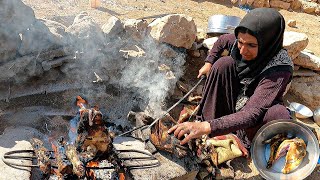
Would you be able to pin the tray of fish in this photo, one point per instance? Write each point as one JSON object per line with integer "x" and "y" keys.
{"x": 285, "y": 149}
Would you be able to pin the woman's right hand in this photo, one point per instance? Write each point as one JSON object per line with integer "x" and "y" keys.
{"x": 205, "y": 69}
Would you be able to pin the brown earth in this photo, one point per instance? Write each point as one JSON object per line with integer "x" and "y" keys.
{"x": 200, "y": 10}
{"x": 64, "y": 11}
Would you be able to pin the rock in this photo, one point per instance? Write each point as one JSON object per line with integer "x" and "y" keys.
{"x": 250, "y": 2}
{"x": 306, "y": 89}
{"x": 208, "y": 43}
{"x": 86, "y": 34}
{"x": 201, "y": 35}
{"x": 292, "y": 23}
{"x": 279, "y": 4}
{"x": 304, "y": 73}
{"x": 9, "y": 44}
{"x": 242, "y": 2}
{"x": 234, "y": 1}
{"x": 308, "y": 7}
{"x": 15, "y": 16}
{"x": 136, "y": 29}
{"x": 41, "y": 36}
{"x": 295, "y": 5}
{"x": 58, "y": 31}
{"x": 258, "y": 3}
{"x": 178, "y": 30}
{"x": 194, "y": 53}
{"x": 113, "y": 27}
{"x": 170, "y": 167}
{"x": 308, "y": 60}
{"x": 295, "y": 42}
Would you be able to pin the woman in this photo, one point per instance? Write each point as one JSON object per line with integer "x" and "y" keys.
{"x": 243, "y": 90}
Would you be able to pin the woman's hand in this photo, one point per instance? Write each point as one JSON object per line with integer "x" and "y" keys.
{"x": 205, "y": 69}
{"x": 192, "y": 129}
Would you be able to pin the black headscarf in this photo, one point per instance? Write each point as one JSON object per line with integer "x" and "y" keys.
{"x": 268, "y": 26}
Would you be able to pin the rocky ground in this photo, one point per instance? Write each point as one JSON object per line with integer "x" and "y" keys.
{"x": 64, "y": 11}
{"x": 200, "y": 10}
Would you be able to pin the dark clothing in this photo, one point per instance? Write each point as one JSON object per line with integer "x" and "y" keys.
{"x": 261, "y": 81}
{"x": 267, "y": 25}
{"x": 220, "y": 94}
{"x": 225, "y": 42}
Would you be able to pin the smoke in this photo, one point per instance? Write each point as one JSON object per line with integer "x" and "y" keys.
{"x": 136, "y": 81}
{"x": 144, "y": 75}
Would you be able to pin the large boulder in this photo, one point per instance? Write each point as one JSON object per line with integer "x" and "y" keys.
{"x": 295, "y": 42}
{"x": 113, "y": 28}
{"x": 15, "y": 16}
{"x": 43, "y": 35}
{"x": 178, "y": 30}
{"x": 307, "y": 89}
{"x": 9, "y": 44}
{"x": 136, "y": 29}
{"x": 308, "y": 60}
{"x": 85, "y": 33}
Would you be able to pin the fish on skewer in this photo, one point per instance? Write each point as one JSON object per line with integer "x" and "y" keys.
{"x": 295, "y": 150}
{"x": 274, "y": 142}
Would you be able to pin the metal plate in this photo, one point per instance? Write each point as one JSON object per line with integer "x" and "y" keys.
{"x": 260, "y": 151}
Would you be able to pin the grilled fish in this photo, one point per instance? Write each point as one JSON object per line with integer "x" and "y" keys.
{"x": 295, "y": 151}
{"x": 274, "y": 142}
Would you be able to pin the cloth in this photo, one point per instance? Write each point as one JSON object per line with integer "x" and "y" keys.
{"x": 224, "y": 43}
{"x": 267, "y": 83}
{"x": 268, "y": 26}
{"x": 221, "y": 148}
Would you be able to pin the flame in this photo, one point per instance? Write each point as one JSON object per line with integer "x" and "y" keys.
{"x": 81, "y": 102}
{"x": 90, "y": 172}
{"x": 93, "y": 164}
{"x": 54, "y": 147}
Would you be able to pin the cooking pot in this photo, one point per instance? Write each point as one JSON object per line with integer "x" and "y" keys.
{"x": 222, "y": 23}
{"x": 260, "y": 152}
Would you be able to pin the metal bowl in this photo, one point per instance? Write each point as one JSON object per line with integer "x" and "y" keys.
{"x": 301, "y": 111}
{"x": 260, "y": 151}
{"x": 222, "y": 23}
{"x": 316, "y": 116}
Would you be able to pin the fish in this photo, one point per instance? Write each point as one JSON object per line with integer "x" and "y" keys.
{"x": 295, "y": 150}
{"x": 274, "y": 142}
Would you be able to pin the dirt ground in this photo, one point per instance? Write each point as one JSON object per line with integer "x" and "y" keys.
{"x": 200, "y": 10}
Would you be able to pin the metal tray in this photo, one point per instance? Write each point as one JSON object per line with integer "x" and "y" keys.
{"x": 260, "y": 151}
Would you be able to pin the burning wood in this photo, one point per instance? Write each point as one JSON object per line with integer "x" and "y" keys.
{"x": 42, "y": 155}
{"x": 77, "y": 166}
{"x": 93, "y": 136}
{"x": 62, "y": 162}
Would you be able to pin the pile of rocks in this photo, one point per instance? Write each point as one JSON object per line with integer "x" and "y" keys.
{"x": 306, "y": 6}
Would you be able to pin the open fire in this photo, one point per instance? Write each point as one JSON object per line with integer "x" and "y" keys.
{"x": 78, "y": 158}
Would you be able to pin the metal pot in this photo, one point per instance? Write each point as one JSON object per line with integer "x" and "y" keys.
{"x": 260, "y": 154}
{"x": 222, "y": 23}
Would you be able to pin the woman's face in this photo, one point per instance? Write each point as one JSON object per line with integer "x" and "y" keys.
{"x": 248, "y": 46}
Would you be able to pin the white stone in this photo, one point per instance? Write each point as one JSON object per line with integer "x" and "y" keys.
{"x": 295, "y": 42}
{"x": 178, "y": 30}
{"x": 308, "y": 60}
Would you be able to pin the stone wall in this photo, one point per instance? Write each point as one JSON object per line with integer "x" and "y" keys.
{"x": 306, "y": 6}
